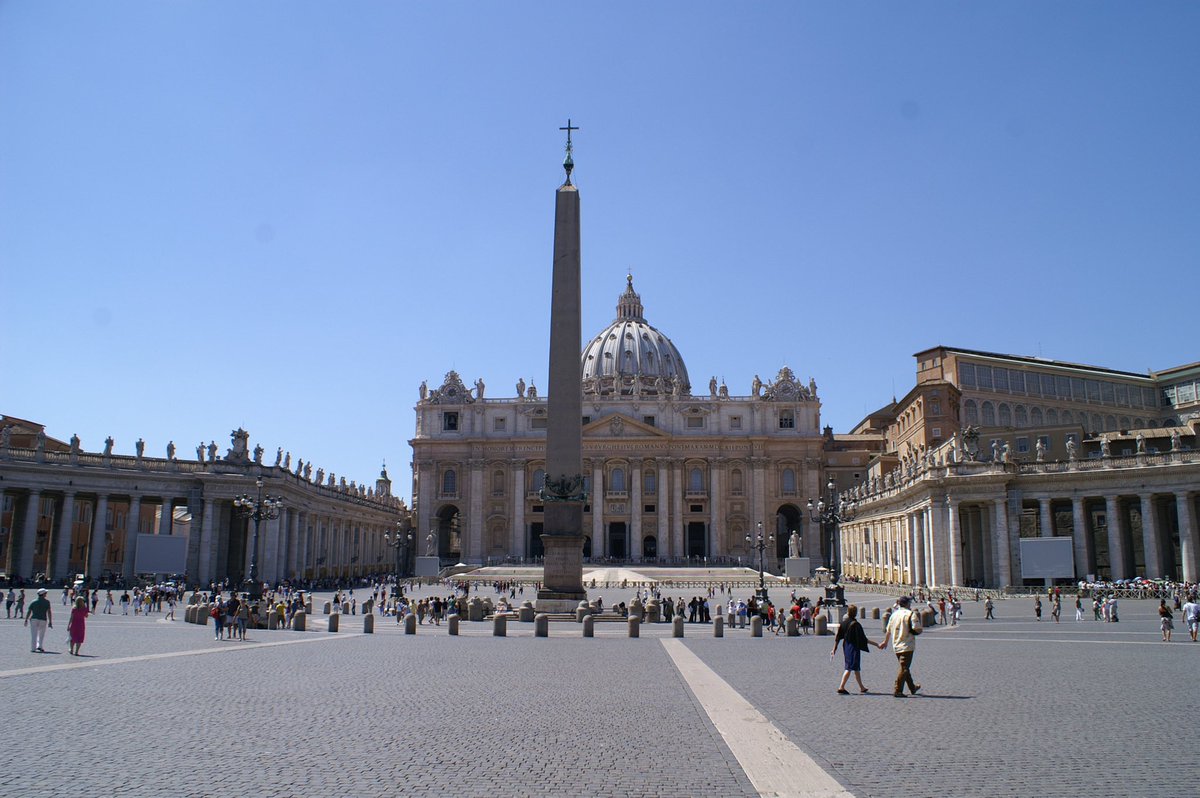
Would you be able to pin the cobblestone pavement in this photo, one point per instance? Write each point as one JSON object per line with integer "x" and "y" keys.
{"x": 1009, "y": 707}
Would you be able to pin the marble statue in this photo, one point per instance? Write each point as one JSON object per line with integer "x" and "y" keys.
{"x": 1004, "y": 453}
{"x": 532, "y": 391}
{"x": 659, "y": 385}
{"x": 140, "y": 447}
{"x": 429, "y": 543}
{"x": 278, "y": 456}
{"x": 41, "y": 441}
{"x": 521, "y": 388}
{"x": 258, "y": 453}
{"x": 756, "y": 387}
{"x": 1041, "y": 451}
{"x": 812, "y": 388}
{"x": 1071, "y": 453}
{"x": 1141, "y": 443}
{"x": 299, "y": 466}
{"x": 320, "y": 476}
{"x": 1175, "y": 442}
{"x": 424, "y": 390}
{"x": 74, "y": 444}
{"x": 794, "y": 545}
{"x": 212, "y": 451}
{"x": 479, "y": 386}
{"x": 308, "y": 472}
{"x": 342, "y": 485}
{"x": 1104, "y": 446}
{"x": 287, "y": 462}
{"x": 6, "y": 437}
{"x": 170, "y": 450}
{"x": 676, "y": 388}
{"x": 712, "y": 388}
{"x": 332, "y": 480}
{"x": 996, "y": 451}
{"x": 200, "y": 452}
{"x": 108, "y": 446}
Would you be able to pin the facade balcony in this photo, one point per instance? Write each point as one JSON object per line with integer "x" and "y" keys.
{"x": 616, "y": 494}
{"x": 696, "y": 494}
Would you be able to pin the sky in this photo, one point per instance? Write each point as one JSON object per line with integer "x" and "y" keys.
{"x": 284, "y": 216}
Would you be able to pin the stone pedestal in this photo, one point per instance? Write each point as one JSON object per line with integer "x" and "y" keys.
{"x": 563, "y": 576}
{"x": 797, "y": 567}
{"x": 428, "y": 566}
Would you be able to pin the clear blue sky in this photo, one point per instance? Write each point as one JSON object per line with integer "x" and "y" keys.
{"x": 285, "y": 215}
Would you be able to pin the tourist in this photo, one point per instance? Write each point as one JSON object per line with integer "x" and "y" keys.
{"x": 218, "y": 617}
{"x": 39, "y": 612}
{"x": 902, "y": 628}
{"x": 243, "y": 617}
{"x": 108, "y": 602}
{"x": 1166, "y": 620}
{"x": 95, "y": 600}
{"x": 1078, "y": 609}
{"x": 170, "y": 607}
{"x": 77, "y": 626}
{"x": 1037, "y": 607}
{"x": 989, "y": 607}
{"x": 125, "y": 603}
{"x": 1191, "y": 616}
{"x": 1056, "y": 608}
{"x": 9, "y": 600}
{"x": 854, "y": 641}
{"x": 21, "y": 603}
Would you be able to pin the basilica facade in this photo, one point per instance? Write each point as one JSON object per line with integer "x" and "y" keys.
{"x": 671, "y": 474}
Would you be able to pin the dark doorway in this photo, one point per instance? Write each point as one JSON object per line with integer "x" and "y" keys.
{"x": 449, "y": 533}
{"x": 788, "y": 520}
{"x": 618, "y": 540}
{"x": 697, "y": 539}
{"x": 587, "y": 546}
{"x": 536, "y": 549}
{"x": 650, "y": 548}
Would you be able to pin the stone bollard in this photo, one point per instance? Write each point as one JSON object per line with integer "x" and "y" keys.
{"x": 677, "y": 626}
{"x": 875, "y": 614}
{"x": 820, "y": 625}
{"x": 475, "y": 610}
{"x": 636, "y": 610}
{"x": 299, "y": 620}
{"x": 189, "y": 615}
{"x": 589, "y": 626}
{"x": 272, "y": 620}
{"x": 488, "y": 607}
{"x": 756, "y": 626}
{"x": 452, "y": 624}
{"x": 718, "y": 626}
{"x": 308, "y": 607}
{"x": 793, "y": 627}
{"x": 928, "y": 618}
{"x": 368, "y": 624}
{"x": 526, "y": 613}
{"x": 203, "y": 615}
{"x": 367, "y": 606}
{"x": 635, "y": 627}
{"x": 500, "y": 625}
{"x": 541, "y": 625}
{"x": 582, "y": 611}
{"x": 345, "y": 607}
{"x": 328, "y": 607}
{"x": 333, "y": 622}
{"x": 653, "y": 611}
{"x": 410, "y": 624}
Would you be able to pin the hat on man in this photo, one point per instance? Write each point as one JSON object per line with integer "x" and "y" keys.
{"x": 42, "y": 591}
{"x": 902, "y": 601}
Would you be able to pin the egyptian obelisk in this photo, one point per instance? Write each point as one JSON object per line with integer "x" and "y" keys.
{"x": 562, "y": 536}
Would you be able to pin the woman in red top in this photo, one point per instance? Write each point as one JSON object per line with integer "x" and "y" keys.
{"x": 77, "y": 626}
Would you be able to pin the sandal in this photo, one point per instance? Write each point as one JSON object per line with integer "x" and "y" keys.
{"x": 865, "y": 690}
{"x": 843, "y": 692}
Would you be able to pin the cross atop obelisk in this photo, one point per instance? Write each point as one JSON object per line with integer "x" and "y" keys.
{"x": 568, "y": 162}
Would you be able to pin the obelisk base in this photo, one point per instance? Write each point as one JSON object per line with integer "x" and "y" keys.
{"x": 562, "y": 584}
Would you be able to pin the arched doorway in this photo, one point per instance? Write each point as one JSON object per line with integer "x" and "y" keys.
{"x": 536, "y": 549}
{"x": 789, "y": 519}
{"x": 649, "y": 547}
{"x": 618, "y": 540}
{"x": 697, "y": 539}
{"x": 449, "y": 533}
{"x": 587, "y": 546}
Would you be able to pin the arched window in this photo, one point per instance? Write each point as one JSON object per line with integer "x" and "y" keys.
{"x": 1005, "y": 416}
{"x": 1035, "y": 417}
{"x": 1022, "y": 417}
{"x": 989, "y": 414}
{"x": 1097, "y": 423}
{"x": 1110, "y": 423}
{"x": 1066, "y": 417}
{"x": 1052, "y": 417}
{"x": 735, "y": 482}
{"x": 696, "y": 481}
{"x": 617, "y": 480}
{"x": 449, "y": 482}
{"x": 1125, "y": 422}
{"x": 1139, "y": 423}
{"x": 789, "y": 481}
{"x": 497, "y": 483}
{"x": 649, "y": 483}
{"x": 539, "y": 479}
{"x": 972, "y": 412}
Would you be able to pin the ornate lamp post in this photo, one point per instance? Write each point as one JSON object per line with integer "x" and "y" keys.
{"x": 761, "y": 544}
{"x": 829, "y": 514}
{"x": 256, "y": 509}
{"x": 400, "y": 540}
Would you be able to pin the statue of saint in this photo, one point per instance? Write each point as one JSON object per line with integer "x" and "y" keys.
{"x": 6, "y": 437}
{"x": 794, "y": 545}
{"x": 74, "y": 444}
{"x": 712, "y": 387}
{"x": 424, "y": 389}
{"x": 1141, "y": 443}
{"x": 287, "y": 462}
{"x": 258, "y": 453}
{"x": 1071, "y": 451}
{"x": 1104, "y": 446}
{"x": 212, "y": 451}
{"x": 308, "y": 471}
{"x": 170, "y": 450}
{"x": 756, "y": 387}
{"x": 320, "y": 476}
{"x": 479, "y": 386}
{"x": 278, "y": 456}
{"x": 521, "y": 388}
{"x": 1041, "y": 451}
{"x": 200, "y": 452}
{"x": 108, "y": 446}
{"x": 140, "y": 447}
{"x": 1175, "y": 442}
{"x": 996, "y": 451}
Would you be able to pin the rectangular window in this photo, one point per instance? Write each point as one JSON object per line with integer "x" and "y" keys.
{"x": 1108, "y": 393}
{"x": 935, "y": 408}
{"x": 450, "y": 422}
{"x": 1045, "y": 439}
{"x": 1048, "y": 386}
{"x": 1186, "y": 393}
{"x": 537, "y": 422}
{"x": 695, "y": 508}
{"x": 735, "y": 422}
{"x": 695, "y": 422}
{"x": 648, "y": 421}
{"x": 1077, "y": 391}
{"x": 587, "y": 420}
{"x": 983, "y": 375}
{"x": 1093, "y": 391}
{"x": 937, "y": 432}
{"x": 1022, "y": 445}
{"x": 1016, "y": 381}
{"x": 648, "y": 508}
{"x": 966, "y": 375}
{"x": 787, "y": 419}
{"x": 537, "y": 508}
{"x": 1001, "y": 377}
{"x": 1149, "y": 398}
{"x": 1063, "y": 386}
{"x": 1123, "y": 394}
{"x": 1033, "y": 386}
{"x": 499, "y": 424}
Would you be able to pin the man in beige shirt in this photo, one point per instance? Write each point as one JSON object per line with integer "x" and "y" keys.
{"x": 902, "y": 629}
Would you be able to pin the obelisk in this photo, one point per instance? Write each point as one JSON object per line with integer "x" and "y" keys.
{"x": 563, "y": 495}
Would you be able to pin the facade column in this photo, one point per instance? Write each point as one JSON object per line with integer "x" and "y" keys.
{"x": 662, "y": 496}
{"x": 1154, "y": 560}
{"x": 133, "y": 527}
{"x": 1118, "y": 562}
{"x": 955, "y": 541}
{"x": 599, "y": 549}
{"x": 1079, "y": 537}
{"x": 635, "y": 509}
{"x": 758, "y": 503}
{"x": 474, "y": 546}
{"x": 208, "y": 543}
{"x": 716, "y": 524}
{"x": 1045, "y": 526}
{"x": 97, "y": 543}
{"x": 677, "y": 489}
{"x": 932, "y": 538}
{"x": 268, "y": 559}
{"x": 61, "y": 561}
{"x": 520, "y": 533}
{"x": 166, "y": 516}
{"x": 1187, "y": 535}
{"x": 918, "y": 551}
{"x": 33, "y": 510}
{"x": 1000, "y": 539}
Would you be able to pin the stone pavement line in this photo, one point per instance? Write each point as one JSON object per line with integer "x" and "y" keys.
{"x": 66, "y": 666}
{"x": 1157, "y": 642}
{"x": 772, "y": 762}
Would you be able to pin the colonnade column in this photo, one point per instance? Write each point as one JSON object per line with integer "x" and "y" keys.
{"x": 520, "y": 534}
{"x": 60, "y": 563}
{"x": 929, "y": 518}
{"x": 918, "y": 550}
{"x": 33, "y": 509}
{"x": 635, "y": 509}
{"x": 1116, "y": 549}
{"x": 598, "y": 547}
{"x": 955, "y": 541}
{"x": 165, "y": 516}
{"x": 208, "y": 543}
{"x": 1045, "y": 526}
{"x": 97, "y": 543}
{"x": 677, "y": 489}
{"x": 1187, "y": 535}
{"x": 1000, "y": 538}
{"x": 1079, "y": 539}
{"x": 1154, "y": 560}
{"x": 475, "y": 549}
{"x": 133, "y": 526}
{"x": 662, "y": 496}
{"x": 269, "y": 558}
{"x": 715, "y": 523}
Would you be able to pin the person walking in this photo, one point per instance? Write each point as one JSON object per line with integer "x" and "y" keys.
{"x": 854, "y": 641}
{"x": 988, "y": 606}
{"x": 77, "y": 626}
{"x": 9, "y": 600}
{"x": 1037, "y": 607}
{"x": 43, "y": 618}
{"x": 1191, "y": 616}
{"x": 1166, "y": 620}
{"x": 1078, "y": 608}
{"x": 1056, "y": 609}
{"x": 902, "y": 629}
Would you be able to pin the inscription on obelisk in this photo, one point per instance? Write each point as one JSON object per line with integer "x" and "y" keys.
{"x": 563, "y": 494}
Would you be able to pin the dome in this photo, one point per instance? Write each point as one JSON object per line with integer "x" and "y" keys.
{"x": 631, "y": 358}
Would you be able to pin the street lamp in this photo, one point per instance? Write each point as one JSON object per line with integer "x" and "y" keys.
{"x": 761, "y": 544}
{"x": 829, "y": 514}
{"x": 400, "y": 540}
{"x": 256, "y": 509}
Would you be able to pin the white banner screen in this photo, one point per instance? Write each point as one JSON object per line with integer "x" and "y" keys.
{"x": 160, "y": 554}
{"x": 1047, "y": 558}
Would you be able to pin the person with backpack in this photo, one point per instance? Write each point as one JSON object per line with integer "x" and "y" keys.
{"x": 1191, "y": 616}
{"x": 902, "y": 629}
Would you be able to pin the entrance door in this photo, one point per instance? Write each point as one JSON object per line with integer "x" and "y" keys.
{"x": 536, "y": 549}
{"x": 697, "y": 539}
{"x": 650, "y": 548}
{"x": 618, "y": 541}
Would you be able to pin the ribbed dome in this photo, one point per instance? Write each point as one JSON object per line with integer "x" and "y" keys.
{"x": 632, "y": 358}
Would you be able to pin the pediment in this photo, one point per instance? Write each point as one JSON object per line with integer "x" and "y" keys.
{"x": 619, "y": 425}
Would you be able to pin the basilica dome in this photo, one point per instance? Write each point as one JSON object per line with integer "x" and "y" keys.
{"x": 631, "y": 358}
